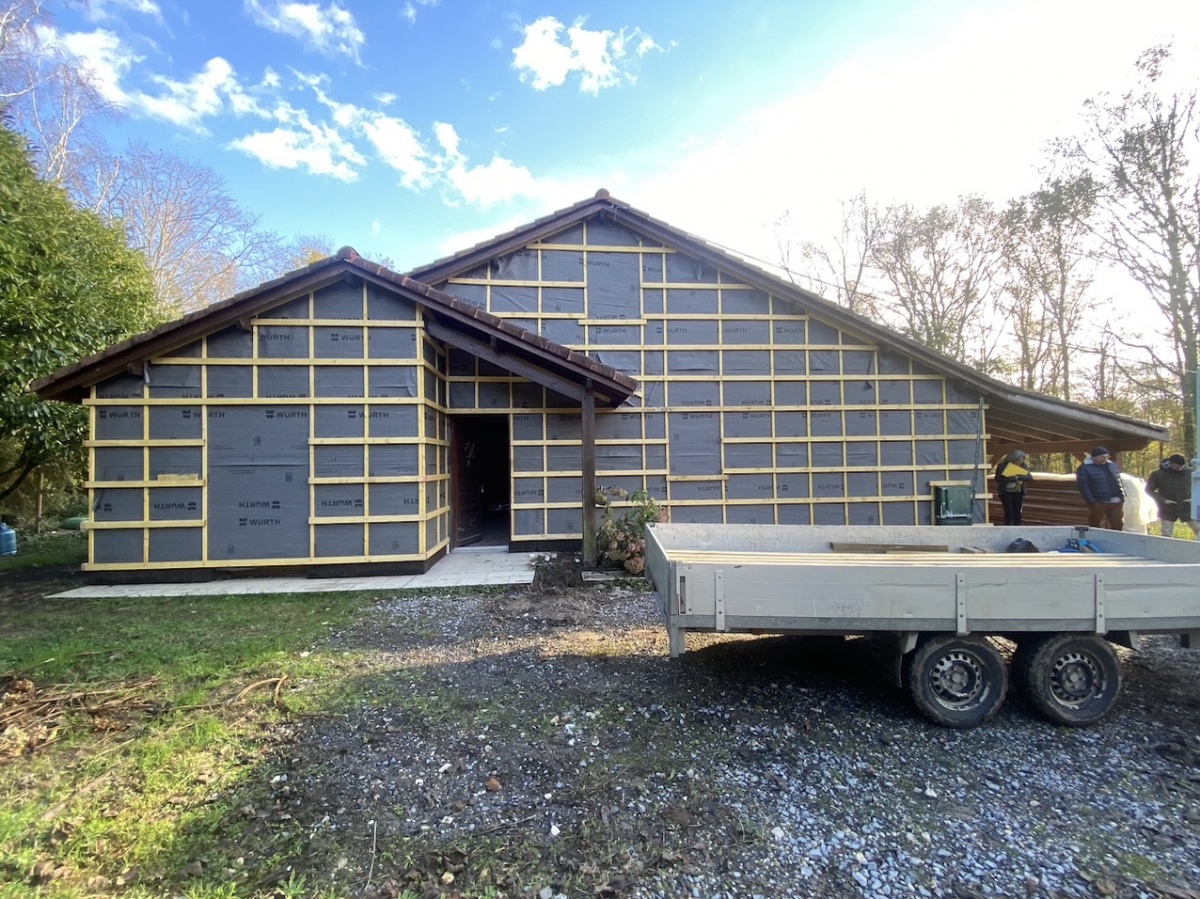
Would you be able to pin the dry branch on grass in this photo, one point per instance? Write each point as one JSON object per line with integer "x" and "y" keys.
{"x": 32, "y": 716}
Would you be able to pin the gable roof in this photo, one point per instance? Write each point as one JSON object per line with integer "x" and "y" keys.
{"x": 451, "y": 320}
{"x": 1016, "y": 417}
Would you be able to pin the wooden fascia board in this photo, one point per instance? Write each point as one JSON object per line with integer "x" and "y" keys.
{"x": 73, "y": 386}
{"x": 509, "y": 362}
{"x": 1080, "y": 418}
{"x": 505, "y": 244}
{"x": 1077, "y": 447}
{"x": 497, "y": 329}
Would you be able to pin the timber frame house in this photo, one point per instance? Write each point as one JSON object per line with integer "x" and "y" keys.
{"x": 345, "y": 414}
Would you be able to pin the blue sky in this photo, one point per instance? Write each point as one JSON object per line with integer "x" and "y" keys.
{"x": 415, "y": 128}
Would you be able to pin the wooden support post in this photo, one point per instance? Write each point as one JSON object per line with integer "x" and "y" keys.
{"x": 589, "y": 475}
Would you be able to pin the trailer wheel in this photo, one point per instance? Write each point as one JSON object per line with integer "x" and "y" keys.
{"x": 1071, "y": 679}
{"x": 956, "y": 681}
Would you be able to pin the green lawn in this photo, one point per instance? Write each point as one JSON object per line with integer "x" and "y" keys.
{"x": 154, "y": 713}
{"x": 45, "y": 551}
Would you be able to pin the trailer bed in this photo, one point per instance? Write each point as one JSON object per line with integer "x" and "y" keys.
{"x": 789, "y": 579}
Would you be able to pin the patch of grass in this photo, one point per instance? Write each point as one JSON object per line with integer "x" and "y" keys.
{"x": 45, "y": 551}
{"x": 141, "y": 799}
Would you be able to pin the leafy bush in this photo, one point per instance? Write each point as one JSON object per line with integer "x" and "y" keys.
{"x": 622, "y": 538}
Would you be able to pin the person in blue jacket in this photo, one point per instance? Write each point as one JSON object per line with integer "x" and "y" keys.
{"x": 1099, "y": 484}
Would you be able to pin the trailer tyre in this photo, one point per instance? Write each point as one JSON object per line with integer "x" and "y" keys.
{"x": 1071, "y": 679}
{"x": 957, "y": 682}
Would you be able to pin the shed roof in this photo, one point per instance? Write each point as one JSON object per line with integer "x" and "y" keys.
{"x": 452, "y": 320}
{"x": 1016, "y": 417}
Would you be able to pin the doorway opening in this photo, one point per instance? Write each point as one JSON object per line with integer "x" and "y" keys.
{"x": 482, "y": 480}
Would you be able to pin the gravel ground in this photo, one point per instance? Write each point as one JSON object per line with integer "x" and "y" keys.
{"x": 540, "y": 743}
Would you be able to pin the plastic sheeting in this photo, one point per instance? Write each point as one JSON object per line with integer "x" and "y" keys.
{"x": 747, "y": 424}
{"x": 611, "y": 277}
{"x": 120, "y": 546}
{"x": 172, "y": 381}
{"x": 395, "y": 498}
{"x": 530, "y": 522}
{"x": 114, "y": 463}
{"x": 235, "y": 381}
{"x": 280, "y": 381}
{"x": 176, "y": 423}
{"x": 232, "y": 343}
{"x": 746, "y": 362}
{"x": 344, "y": 343}
{"x": 339, "y": 300}
{"x": 400, "y": 538}
{"x": 176, "y": 503}
{"x": 119, "y": 423}
{"x": 530, "y": 491}
{"x": 334, "y": 540}
{"x": 562, "y": 265}
{"x": 383, "y": 305}
{"x": 392, "y": 381}
{"x": 338, "y": 500}
{"x": 711, "y": 490}
{"x": 257, "y": 481}
{"x": 120, "y": 387}
{"x": 695, "y": 440}
{"x": 176, "y": 544}
{"x": 282, "y": 342}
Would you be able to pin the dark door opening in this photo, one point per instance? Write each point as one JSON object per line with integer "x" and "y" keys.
{"x": 482, "y": 480}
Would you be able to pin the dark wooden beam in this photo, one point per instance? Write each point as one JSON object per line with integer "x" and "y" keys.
{"x": 590, "y": 554}
{"x": 482, "y": 350}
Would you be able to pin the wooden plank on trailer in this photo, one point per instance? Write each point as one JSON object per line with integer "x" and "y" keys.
{"x": 888, "y": 547}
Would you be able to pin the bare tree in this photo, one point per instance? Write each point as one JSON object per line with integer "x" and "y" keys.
{"x": 940, "y": 265}
{"x": 179, "y": 214}
{"x": 1048, "y": 271}
{"x": 1140, "y": 150}
{"x": 55, "y": 104}
{"x": 844, "y": 265}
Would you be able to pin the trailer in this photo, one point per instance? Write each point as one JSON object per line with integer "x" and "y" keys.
{"x": 939, "y": 595}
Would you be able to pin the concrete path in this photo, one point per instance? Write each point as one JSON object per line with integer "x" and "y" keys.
{"x": 470, "y": 568}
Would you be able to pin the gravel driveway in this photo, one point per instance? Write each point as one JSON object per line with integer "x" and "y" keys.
{"x": 540, "y": 743}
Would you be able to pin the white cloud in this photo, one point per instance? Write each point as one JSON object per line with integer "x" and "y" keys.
{"x": 967, "y": 110}
{"x": 330, "y": 29}
{"x": 211, "y": 91}
{"x": 396, "y": 143}
{"x": 100, "y": 55}
{"x": 498, "y": 181}
{"x": 97, "y": 10}
{"x": 399, "y": 145}
{"x": 601, "y": 58}
{"x": 300, "y": 143}
{"x": 410, "y": 8}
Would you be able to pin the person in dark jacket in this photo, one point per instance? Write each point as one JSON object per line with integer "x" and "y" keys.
{"x": 1100, "y": 486}
{"x": 1012, "y": 487}
{"x": 1170, "y": 486}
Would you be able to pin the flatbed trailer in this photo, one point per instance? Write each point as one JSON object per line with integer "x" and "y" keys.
{"x": 939, "y": 594}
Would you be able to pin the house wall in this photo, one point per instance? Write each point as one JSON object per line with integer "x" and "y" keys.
{"x": 748, "y": 411}
{"x": 318, "y": 434}
{"x": 321, "y": 432}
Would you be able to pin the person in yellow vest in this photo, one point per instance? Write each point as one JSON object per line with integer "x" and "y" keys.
{"x": 1011, "y": 478}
